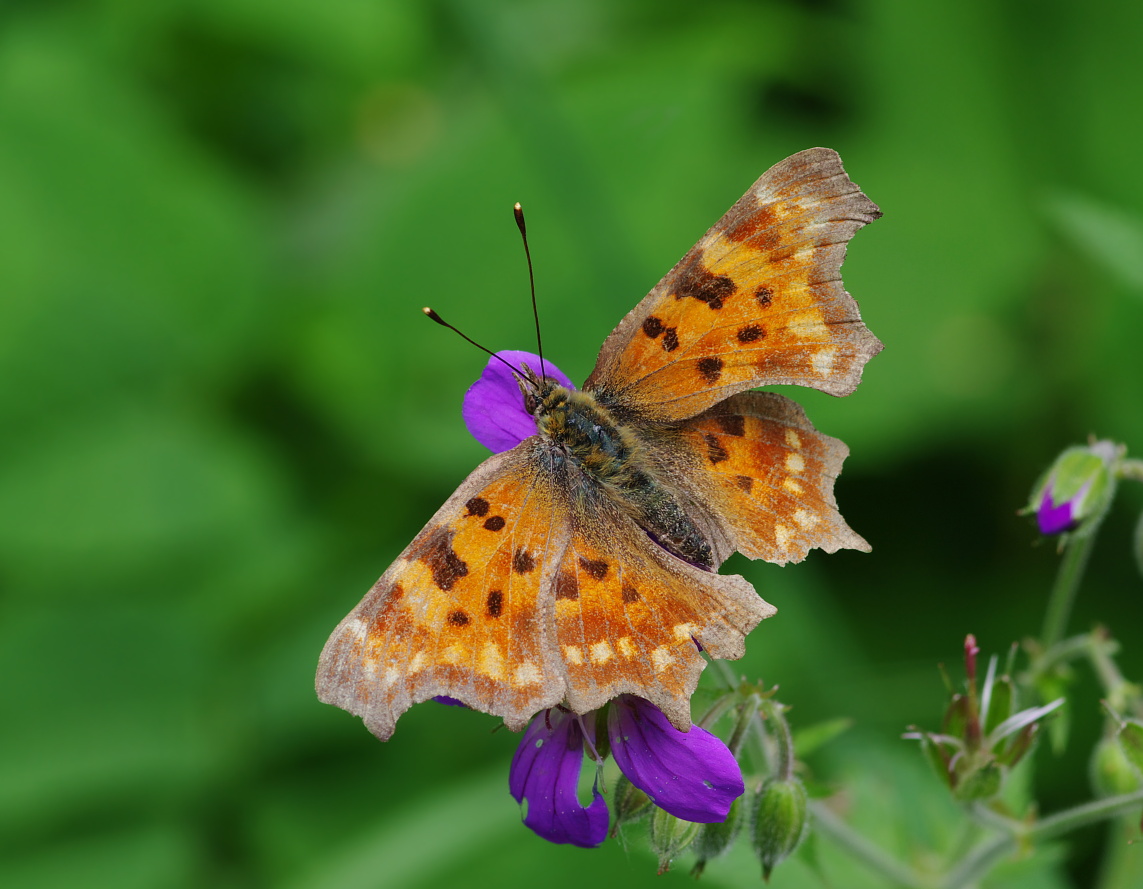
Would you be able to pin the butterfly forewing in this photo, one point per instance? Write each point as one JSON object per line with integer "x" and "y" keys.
{"x": 466, "y": 610}
{"x": 758, "y": 301}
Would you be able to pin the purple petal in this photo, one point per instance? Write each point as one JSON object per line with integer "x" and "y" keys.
{"x": 1054, "y": 519}
{"x": 692, "y": 775}
{"x": 451, "y": 702}
{"x": 494, "y": 405}
{"x": 545, "y": 772}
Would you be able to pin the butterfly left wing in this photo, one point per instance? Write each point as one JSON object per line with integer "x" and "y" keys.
{"x": 758, "y": 301}
{"x": 465, "y": 611}
{"x": 630, "y": 617}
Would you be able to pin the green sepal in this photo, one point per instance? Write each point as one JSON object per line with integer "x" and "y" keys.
{"x": 999, "y": 704}
{"x": 937, "y": 758}
{"x": 716, "y": 839}
{"x": 980, "y": 783}
{"x": 670, "y": 837}
{"x": 956, "y": 716}
{"x": 631, "y": 803}
{"x": 1130, "y": 737}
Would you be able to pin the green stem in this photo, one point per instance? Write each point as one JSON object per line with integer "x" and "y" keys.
{"x": 1131, "y": 469}
{"x": 1076, "y": 553}
{"x": 981, "y": 860}
{"x": 977, "y": 864}
{"x": 859, "y": 847}
{"x": 1087, "y": 813}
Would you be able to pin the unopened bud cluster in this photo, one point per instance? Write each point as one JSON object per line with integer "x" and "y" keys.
{"x": 984, "y": 734}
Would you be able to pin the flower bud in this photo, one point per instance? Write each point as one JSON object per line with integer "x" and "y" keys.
{"x": 715, "y": 839}
{"x": 670, "y": 837}
{"x": 1078, "y": 487}
{"x": 781, "y": 821}
{"x": 1111, "y": 770}
{"x": 1130, "y": 737}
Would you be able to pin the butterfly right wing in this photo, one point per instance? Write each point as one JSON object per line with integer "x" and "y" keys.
{"x": 761, "y": 470}
{"x": 462, "y": 612}
{"x": 758, "y": 301}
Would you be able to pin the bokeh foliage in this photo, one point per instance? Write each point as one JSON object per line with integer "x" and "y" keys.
{"x": 223, "y": 414}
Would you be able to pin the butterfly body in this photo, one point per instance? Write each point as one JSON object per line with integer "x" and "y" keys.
{"x": 580, "y": 563}
{"x": 603, "y": 458}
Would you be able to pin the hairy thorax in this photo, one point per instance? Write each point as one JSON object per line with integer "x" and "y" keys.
{"x": 615, "y": 465}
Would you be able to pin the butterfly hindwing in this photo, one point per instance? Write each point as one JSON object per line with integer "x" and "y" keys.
{"x": 757, "y": 301}
{"x": 466, "y": 610}
{"x": 630, "y": 617}
{"x": 769, "y": 477}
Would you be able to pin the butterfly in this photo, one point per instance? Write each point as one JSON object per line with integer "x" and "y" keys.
{"x": 582, "y": 563}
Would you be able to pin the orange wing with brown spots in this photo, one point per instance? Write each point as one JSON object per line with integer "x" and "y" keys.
{"x": 758, "y": 301}
{"x": 511, "y": 600}
{"x": 629, "y": 617}
{"x": 768, "y": 477}
{"x": 466, "y": 610}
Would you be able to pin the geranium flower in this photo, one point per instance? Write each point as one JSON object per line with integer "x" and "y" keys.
{"x": 692, "y": 775}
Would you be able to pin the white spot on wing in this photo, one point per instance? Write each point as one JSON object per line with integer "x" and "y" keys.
{"x": 491, "y": 661}
{"x": 601, "y": 652}
{"x": 795, "y": 463}
{"x": 823, "y": 360}
{"x": 527, "y": 674}
{"x": 661, "y": 659}
{"x": 573, "y": 655}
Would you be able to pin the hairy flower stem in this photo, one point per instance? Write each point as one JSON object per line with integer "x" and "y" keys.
{"x": 1076, "y": 553}
{"x": 987, "y": 854}
{"x": 971, "y": 868}
{"x": 872, "y": 855}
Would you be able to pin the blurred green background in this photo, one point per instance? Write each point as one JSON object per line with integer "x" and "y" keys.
{"x": 223, "y": 414}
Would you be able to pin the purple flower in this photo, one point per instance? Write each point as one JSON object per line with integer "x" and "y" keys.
{"x": 692, "y": 775}
{"x": 1077, "y": 488}
{"x": 494, "y": 405}
{"x": 1054, "y": 519}
{"x": 545, "y": 773}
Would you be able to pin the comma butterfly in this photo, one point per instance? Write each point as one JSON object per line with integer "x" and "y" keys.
{"x": 581, "y": 564}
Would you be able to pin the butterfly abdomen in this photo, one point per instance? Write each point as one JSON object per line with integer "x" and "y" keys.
{"x": 608, "y": 453}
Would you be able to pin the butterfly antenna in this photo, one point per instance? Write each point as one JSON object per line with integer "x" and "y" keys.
{"x": 519, "y": 213}
{"x": 441, "y": 321}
